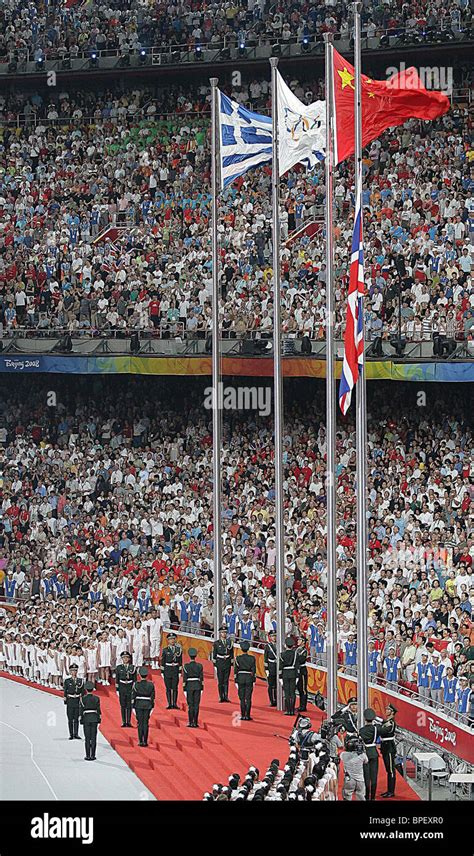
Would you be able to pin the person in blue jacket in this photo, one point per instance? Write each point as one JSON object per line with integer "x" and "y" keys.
{"x": 462, "y": 698}
{"x": 449, "y": 686}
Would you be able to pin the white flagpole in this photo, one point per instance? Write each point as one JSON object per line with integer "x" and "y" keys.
{"x": 216, "y": 369}
{"x": 330, "y": 391}
{"x": 278, "y": 386}
{"x": 361, "y": 421}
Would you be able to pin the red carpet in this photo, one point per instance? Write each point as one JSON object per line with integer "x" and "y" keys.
{"x": 181, "y": 763}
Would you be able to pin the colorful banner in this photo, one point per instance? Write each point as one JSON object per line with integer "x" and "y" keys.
{"x": 424, "y": 721}
{"x": 446, "y": 372}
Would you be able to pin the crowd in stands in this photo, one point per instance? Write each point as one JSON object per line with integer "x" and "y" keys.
{"x": 106, "y": 528}
{"x": 56, "y": 29}
{"x": 78, "y": 164}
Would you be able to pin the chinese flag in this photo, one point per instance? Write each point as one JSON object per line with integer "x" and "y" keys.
{"x": 385, "y": 104}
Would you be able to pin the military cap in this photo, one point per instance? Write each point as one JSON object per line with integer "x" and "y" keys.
{"x": 352, "y": 700}
{"x": 369, "y": 714}
{"x": 143, "y": 672}
{"x": 272, "y": 633}
{"x": 171, "y": 635}
{"x": 89, "y": 686}
{"x": 392, "y": 708}
{"x": 73, "y": 666}
{"x": 125, "y": 654}
{"x": 245, "y": 645}
{"x": 192, "y": 652}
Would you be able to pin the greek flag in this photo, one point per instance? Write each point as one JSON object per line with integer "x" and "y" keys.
{"x": 245, "y": 139}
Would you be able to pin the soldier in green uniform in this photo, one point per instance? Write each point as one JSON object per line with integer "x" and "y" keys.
{"x": 368, "y": 734}
{"x": 270, "y": 660}
{"x": 223, "y": 657}
{"x": 289, "y": 674}
{"x": 143, "y": 701}
{"x": 73, "y": 692}
{"x": 193, "y": 685}
{"x": 245, "y": 675}
{"x": 388, "y": 747}
{"x": 125, "y": 677}
{"x": 89, "y": 707}
{"x": 171, "y": 665}
{"x": 302, "y": 683}
{"x": 349, "y": 716}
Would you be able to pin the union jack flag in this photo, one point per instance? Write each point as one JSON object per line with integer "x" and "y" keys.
{"x": 354, "y": 334}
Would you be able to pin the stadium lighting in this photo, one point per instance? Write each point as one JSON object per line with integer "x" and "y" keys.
{"x": 305, "y": 46}
{"x": 134, "y": 343}
{"x": 124, "y": 61}
{"x": 66, "y": 63}
{"x": 242, "y": 49}
{"x": 198, "y": 53}
{"x": 142, "y": 56}
{"x": 39, "y": 63}
{"x": 94, "y": 58}
{"x": 276, "y": 50}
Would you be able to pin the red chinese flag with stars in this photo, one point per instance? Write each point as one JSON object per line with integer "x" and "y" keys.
{"x": 385, "y": 104}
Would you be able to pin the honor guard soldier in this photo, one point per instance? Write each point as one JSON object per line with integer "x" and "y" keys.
{"x": 349, "y": 716}
{"x": 73, "y": 692}
{"x": 289, "y": 674}
{"x": 171, "y": 665}
{"x": 388, "y": 748}
{"x": 302, "y": 683}
{"x": 368, "y": 734}
{"x": 89, "y": 707}
{"x": 223, "y": 657}
{"x": 143, "y": 700}
{"x": 193, "y": 685}
{"x": 270, "y": 660}
{"x": 245, "y": 674}
{"x": 125, "y": 677}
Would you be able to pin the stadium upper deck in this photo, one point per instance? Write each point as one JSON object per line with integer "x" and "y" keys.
{"x": 75, "y": 36}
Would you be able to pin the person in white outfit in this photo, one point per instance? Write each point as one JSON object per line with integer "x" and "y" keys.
{"x": 139, "y": 639}
{"x": 155, "y": 629}
{"x": 104, "y": 659}
{"x": 91, "y": 661}
{"x": 53, "y": 669}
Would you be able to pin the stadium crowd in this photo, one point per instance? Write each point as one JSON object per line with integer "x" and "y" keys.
{"x": 80, "y": 164}
{"x": 106, "y": 531}
{"x": 57, "y": 29}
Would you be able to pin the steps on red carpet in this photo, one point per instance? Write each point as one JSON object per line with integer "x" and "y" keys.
{"x": 183, "y": 763}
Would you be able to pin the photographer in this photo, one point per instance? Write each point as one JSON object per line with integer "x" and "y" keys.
{"x": 303, "y": 737}
{"x": 330, "y": 731}
{"x": 353, "y": 758}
